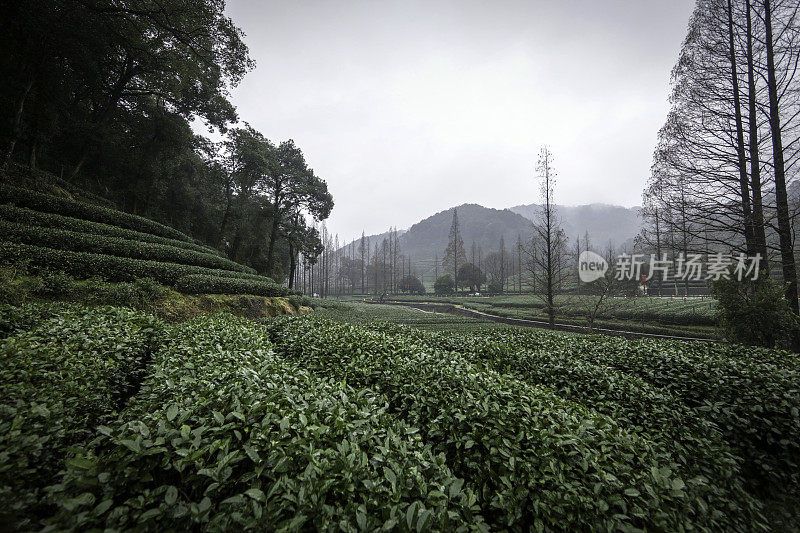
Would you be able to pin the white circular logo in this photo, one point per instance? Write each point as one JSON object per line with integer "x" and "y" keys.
{"x": 591, "y": 266}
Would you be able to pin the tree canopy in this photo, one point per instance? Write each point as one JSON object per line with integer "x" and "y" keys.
{"x": 102, "y": 94}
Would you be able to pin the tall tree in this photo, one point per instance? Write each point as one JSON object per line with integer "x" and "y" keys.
{"x": 549, "y": 241}
{"x": 454, "y": 254}
{"x": 292, "y": 186}
{"x": 779, "y": 169}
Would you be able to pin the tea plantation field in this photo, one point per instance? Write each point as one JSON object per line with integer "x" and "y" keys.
{"x": 113, "y": 419}
{"x": 692, "y": 317}
{"x": 45, "y": 233}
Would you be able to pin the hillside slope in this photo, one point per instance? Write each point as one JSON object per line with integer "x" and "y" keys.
{"x": 484, "y": 226}
{"x": 45, "y": 230}
{"x": 427, "y": 239}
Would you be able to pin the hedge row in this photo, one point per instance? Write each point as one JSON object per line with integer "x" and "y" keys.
{"x": 535, "y": 460}
{"x": 60, "y": 379}
{"x": 71, "y": 208}
{"x": 18, "y": 319}
{"x": 693, "y": 442}
{"x": 40, "y": 180}
{"x": 754, "y": 401}
{"x": 51, "y": 220}
{"x": 83, "y": 242}
{"x": 109, "y": 267}
{"x": 205, "y": 284}
{"x": 225, "y": 436}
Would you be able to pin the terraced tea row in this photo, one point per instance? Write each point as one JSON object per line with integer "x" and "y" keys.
{"x": 303, "y": 423}
{"x": 534, "y": 457}
{"x": 48, "y": 233}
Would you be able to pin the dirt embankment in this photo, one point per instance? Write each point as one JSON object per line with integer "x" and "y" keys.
{"x": 179, "y": 307}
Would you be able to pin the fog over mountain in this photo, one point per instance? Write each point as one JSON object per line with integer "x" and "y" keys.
{"x": 427, "y": 239}
{"x": 605, "y": 223}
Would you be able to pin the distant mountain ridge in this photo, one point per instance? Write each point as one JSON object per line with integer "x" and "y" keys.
{"x": 427, "y": 239}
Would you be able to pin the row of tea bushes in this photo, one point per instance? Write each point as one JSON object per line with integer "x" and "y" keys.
{"x": 693, "y": 442}
{"x": 752, "y": 395}
{"x": 109, "y": 267}
{"x": 226, "y": 436}
{"x": 47, "y": 203}
{"x": 50, "y": 220}
{"x": 99, "y": 244}
{"x": 65, "y": 370}
{"x": 205, "y": 284}
{"x": 532, "y": 457}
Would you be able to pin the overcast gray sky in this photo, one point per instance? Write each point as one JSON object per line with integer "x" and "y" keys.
{"x": 407, "y": 108}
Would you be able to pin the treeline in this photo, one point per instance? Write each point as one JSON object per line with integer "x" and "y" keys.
{"x": 102, "y": 94}
{"x": 363, "y": 266}
{"x": 376, "y": 265}
{"x": 729, "y": 147}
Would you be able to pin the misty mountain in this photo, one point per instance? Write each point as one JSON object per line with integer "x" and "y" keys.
{"x": 605, "y": 223}
{"x": 427, "y": 239}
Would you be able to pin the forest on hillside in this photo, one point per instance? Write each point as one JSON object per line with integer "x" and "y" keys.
{"x": 100, "y": 98}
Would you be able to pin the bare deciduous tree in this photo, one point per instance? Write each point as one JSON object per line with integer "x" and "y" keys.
{"x": 547, "y": 248}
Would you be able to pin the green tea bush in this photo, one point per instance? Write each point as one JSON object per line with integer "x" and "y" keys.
{"x": 15, "y": 287}
{"x": 50, "y": 220}
{"x": 71, "y": 208}
{"x": 63, "y": 375}
{"x": 139, "y": 294}
{"x": 694, "y": 443}
{"x": 16, "y": 319}
{"x": 226, "y": 436}
{"x": 299, "y": 300}
{"x": 751, "y": 395}
{"x": 204, "y": 284}
{"x": 55, "y": 284}
{"x": 534, "y": 459}
{"x": 84, "y": 242}
{"x": 25, "y": 176}
{"x": 109, "y": 267}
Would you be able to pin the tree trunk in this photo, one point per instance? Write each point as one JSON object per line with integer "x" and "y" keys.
{"x": 224, "y": 222}
{"x": 292, "y": 265}
{"x": 17, "y": 121}
{"x": 740, "y": 152}
{"x": 759, "y": 235}
{"x": 126, "y": 76}
{"x": 273, "y": 234}
{"x": 784, "y": 224}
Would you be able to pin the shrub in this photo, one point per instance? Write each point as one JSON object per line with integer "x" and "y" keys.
{"x": 495, "y": 286}
{"x": 55, "y": 284}
{"x": 71, "y": 208}
{"x": 205, "y": 284}
{"x": 109, "y": 267}
{"x": 443, "y": 285}
{"x": 411, "y": 285}
{"x": 83, "y": 242}
{"x": 51, "y": 220}
{"x": 533, "y": 458}
{"x": 60, "y": 378}
{"x": 753, "y": 312}
{"x": 225, "y": 436}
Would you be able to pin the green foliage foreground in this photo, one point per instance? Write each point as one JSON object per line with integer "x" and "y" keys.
{"x": 112, "y": 419}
